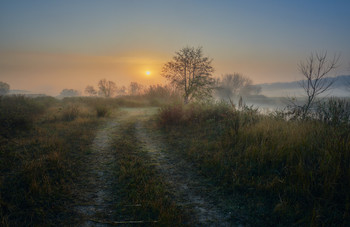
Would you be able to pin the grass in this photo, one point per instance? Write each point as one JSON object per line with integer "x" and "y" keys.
{"x": 42, "y": 144}
{"x": 301, "y": 168}
{"x": 142, "y": 191}
{"x": 39, "y": 162}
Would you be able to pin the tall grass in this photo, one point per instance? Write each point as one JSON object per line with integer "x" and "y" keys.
{"x": 17, "y": 113}
{"x": 39, "y": 162}
{"x": 302, "y": 168}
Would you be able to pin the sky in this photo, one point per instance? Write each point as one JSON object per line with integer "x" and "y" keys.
{"x": 47, "y": 46}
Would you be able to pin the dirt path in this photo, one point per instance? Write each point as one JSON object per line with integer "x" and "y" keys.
{"x": 190, "y": 190}
{"x": 95, "y": 192}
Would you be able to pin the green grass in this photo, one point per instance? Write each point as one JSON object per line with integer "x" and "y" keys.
{"x": 141, "y": 190}
{"x": 301, "y": 168}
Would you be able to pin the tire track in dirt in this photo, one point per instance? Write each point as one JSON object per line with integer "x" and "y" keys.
{"x": 188, "y": 188}
{"x": 94, "y": 191}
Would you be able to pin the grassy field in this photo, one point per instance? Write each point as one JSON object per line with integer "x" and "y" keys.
{"x": 42, "y": 143}
{"x": 289, "y": 172}
{"x": 300, "y": 168}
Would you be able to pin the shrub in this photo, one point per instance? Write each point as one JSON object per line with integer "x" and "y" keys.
{"x": 102, "y": 110}
{"x": 170, "y": 115}
{"x": 70, "y": 112}
{"x": 334, "y": 111}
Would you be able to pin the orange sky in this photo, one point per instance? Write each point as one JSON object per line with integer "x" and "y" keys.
{"x": 50, "y": 73}
{"x": 48, "y": 46}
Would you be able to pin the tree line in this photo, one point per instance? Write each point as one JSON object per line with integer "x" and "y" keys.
{"x": 190, "y": 74}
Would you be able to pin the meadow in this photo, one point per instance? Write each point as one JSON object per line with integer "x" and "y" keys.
{"x": 42, "y": 143}
{"x": 297, "y": 169}
{"x": 285, "y": 170}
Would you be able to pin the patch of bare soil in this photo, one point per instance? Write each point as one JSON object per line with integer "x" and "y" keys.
{"x": 189, "y": 189}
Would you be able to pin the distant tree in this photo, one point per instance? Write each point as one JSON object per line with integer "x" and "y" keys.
{"x": 106, "y": 88}
{"x": 121, "y": 91}
{"x": 191, "y": 73}
{"x": 69, "y": 93}
{"x": 135, "y": 88}
{"x": 234, "y": 85}
{"x": 160, "y": 91}
{"x": 4, "y": 88}
{"x": 90, "y": 90}
{"x": 315, "y": 70}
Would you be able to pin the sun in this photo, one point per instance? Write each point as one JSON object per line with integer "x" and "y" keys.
{"x": 148, "y": 73}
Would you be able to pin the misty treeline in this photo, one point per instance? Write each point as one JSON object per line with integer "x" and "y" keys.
{"x": 108, "y": 89}
{"x": 192, "y": 74}
{"x": 4, "y": 88}
{"x": 190, "y": 77}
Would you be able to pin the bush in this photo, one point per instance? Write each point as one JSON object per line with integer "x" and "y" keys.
{"x": 196, "y": 113}
{"x": 334, "y": 111}
{"x": 102, "y": 110}
{"x": 170, "y": 115}
{"x": 70, "y": 112}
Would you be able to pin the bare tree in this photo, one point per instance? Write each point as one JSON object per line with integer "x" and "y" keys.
{"x": 191, "y": 73}
{"x": 4, "y": 88}
{"x": 106, "y": 88}
{"x": 121, "y": 91}
{"x": 90, "y": 90}
{"x": 235, "y": 85}
{"x": 135, "y": 88}
{"x": 315, "y": 70}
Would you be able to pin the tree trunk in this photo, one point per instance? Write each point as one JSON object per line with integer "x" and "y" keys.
{"x": 186, "y": 99}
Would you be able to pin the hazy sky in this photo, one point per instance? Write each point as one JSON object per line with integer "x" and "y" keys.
{"x": 46, "y": 46}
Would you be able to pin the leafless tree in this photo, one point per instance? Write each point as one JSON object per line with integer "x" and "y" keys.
{"x": 121, "y": 91}
{"x": 235, "y": 85}
{"x": 106, "y": 88}
{"x": 191, "y": 73}
{"x": 4, "y": 88}
{"x": 135, "y": 88}
{"x": 90, "y": 90}
{"x": 315, "y": 70}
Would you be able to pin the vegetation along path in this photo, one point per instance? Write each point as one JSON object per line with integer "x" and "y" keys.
{"x": 189, "y": 190}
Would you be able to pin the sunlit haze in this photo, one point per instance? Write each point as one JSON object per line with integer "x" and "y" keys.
{"x": 47, "y": 46}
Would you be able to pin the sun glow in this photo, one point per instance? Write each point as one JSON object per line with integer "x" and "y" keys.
{"x": 148, "y": 73}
